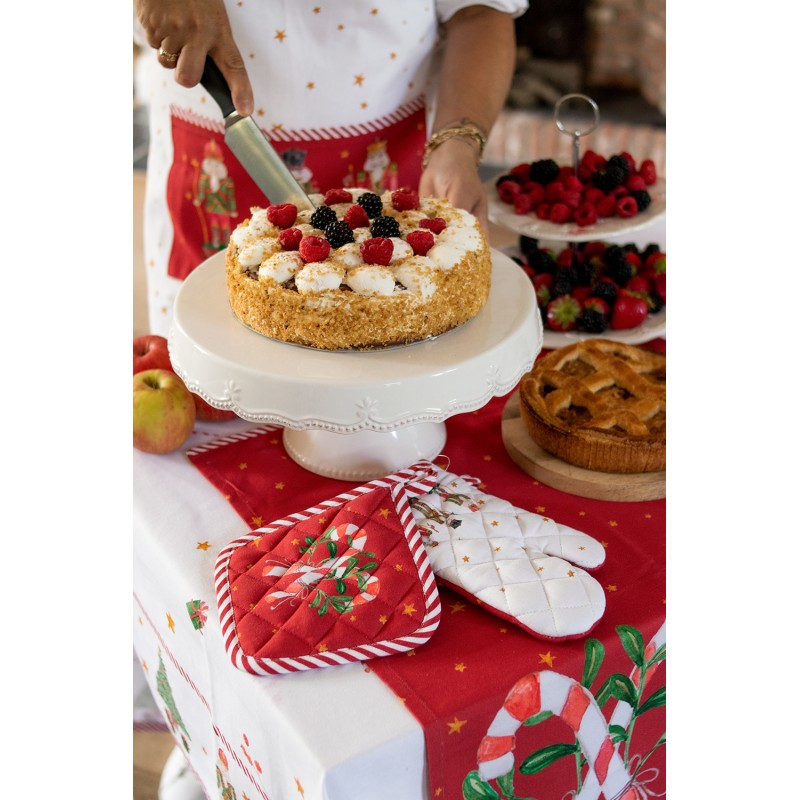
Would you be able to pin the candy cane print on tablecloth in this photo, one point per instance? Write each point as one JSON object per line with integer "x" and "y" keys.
{"x": 575, "y": 705}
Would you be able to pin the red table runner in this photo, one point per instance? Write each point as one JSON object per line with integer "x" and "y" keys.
{"x": 506, "y": 715}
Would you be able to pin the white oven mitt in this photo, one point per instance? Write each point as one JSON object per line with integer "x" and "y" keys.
{"x": 521, "y": 566}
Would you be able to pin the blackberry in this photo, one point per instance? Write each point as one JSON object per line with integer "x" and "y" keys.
{"x": 608, "y": 178}
{"x": 338, "y": 233}
{"x": 371, "y": 203}
{"x": 654, "y": 303}
{"x": 543, "y": 261}
{"x": 642, "y": 199}
{"x": 322, "y": 217}
{"x": 621, "y": 162}
{"x": 544, "y": 171}
{"x": 564, "y": 281}
{"x": 605, "y": 290}
{"x": 528, "y": 246}
{"x": 586, "y": 272}
{"x": 591, "y": 321}
{"x": 620, "y": 273}
{"x": 385, "y": 226}
{"x": 650, "y": 250}
{"x": 614, "y": 255}
{"x": 630, "y": 248}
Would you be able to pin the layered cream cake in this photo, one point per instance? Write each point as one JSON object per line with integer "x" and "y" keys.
{"x": 361, "y": 271}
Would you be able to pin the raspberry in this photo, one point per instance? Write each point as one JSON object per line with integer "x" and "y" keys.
{"x": 356, "y": 217}
{"x": 333, "y": 196}
{"x": 508, "y": 191}
{"x": 322, "y": 217}
{"x": 647, "y": 169}
{"x": 627, "y": 207}
{"x": 593, "y": 195}
{"x": 635, "y": 183}
{"x": 522, "y": 171}
{"x": 606, "y": 207}
{"x": 405, "y": 200}
{"x": 314, "y": 248}
{"x": 420, "y": 241}
{"x": 282, "y": 215}
{"x": 542, "y": 211}
{"x": 377, "y": 250}
{"x": 385, "y": 227}
{"x": 371, "y": 203}
{"x": 290, "y": 238}
{"x": 571, "y": 199}
{"x": 585, "y": 214}
{"x": 572, "y": 183}
{"x": 590, "y": 162}
{"x": 559, "y": 213}
{"x": 536, "y": 192}
{"x": 510, "y": 176}
{"x": 435, "y": 224}
{"x": 338, "y": 233}
{"x": 553, "y": 191}
{"x": 523, "y": 203}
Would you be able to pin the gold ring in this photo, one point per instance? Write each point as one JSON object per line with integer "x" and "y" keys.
{"x": 169, "y": 57}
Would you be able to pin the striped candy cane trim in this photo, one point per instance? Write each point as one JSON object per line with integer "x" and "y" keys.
{"x": 575, "y": 705}
{"x": 278, "y": 134}
{"x": 417, "y": 479}
{"x": 252, "y": 433}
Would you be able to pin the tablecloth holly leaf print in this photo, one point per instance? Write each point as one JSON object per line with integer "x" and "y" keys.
{"x": 198, "y": 613}
{"x": 171, "y": 710}
{"x": 604, "y": 766}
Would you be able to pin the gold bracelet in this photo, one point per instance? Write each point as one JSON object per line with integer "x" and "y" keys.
{"x": 466, "y": 129}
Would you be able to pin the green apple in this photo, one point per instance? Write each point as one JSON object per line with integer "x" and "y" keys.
{"x": 163, "y": 411}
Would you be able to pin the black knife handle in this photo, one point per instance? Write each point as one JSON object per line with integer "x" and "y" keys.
{"x": 215, "y": 84}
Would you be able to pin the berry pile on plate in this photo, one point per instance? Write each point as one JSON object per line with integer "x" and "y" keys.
{"x": 601, "y": 188}
{"x": 595, "y": 286}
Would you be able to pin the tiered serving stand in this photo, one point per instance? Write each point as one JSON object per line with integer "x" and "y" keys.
{"x": 354, "y": 415}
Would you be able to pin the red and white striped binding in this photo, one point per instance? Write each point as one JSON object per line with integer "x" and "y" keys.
{"x": 417, "y": 479}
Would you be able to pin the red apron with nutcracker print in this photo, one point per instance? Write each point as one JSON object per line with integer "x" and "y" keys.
{"x": 209, "y": 193}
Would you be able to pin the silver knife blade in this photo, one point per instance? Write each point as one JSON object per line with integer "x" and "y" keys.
{"x": 255, "y": 153}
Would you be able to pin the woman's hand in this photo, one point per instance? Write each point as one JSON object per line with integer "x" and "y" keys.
{"x": 452, "y": 173}
{"x": 185, "y": 32}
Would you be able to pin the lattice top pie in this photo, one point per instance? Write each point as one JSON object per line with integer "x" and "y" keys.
{"x": 599, "y": 404}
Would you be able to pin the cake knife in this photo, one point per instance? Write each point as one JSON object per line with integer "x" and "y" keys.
{"x": 251, "y": 147}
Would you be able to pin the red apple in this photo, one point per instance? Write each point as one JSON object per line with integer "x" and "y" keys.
{"x": 207, "y": 413}
{"x": 150, "y": 352}
{"x": 163, "y": 411}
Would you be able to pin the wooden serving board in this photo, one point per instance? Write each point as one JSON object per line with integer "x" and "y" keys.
{"x": 548, "y": 469}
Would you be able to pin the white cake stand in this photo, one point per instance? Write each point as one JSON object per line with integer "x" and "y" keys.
{"x": 354, "y": 415}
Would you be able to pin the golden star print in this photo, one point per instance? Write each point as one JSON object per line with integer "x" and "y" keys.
{"x": 243, "y": 465}
{"x": 547, "y": 658}
{"x": 280, "y": 35}
{"x": 409, "y": 609}
{"x": 203, "y": 546}
{"x": 456, "y": 725}
{"x": 170, "y": 623}
{"x": 358, "y": 80}
{"x": 456, "y": 607}
{"x": 460, "y": 667}
{"x": 258, "y": 521}
{"x": 384, "y": 512}
{"x": 280, "y": 485}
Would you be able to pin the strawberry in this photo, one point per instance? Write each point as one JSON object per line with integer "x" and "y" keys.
{"x": 594, "y": 248}
{"x": 647, "y": 169}
{"x": 405, "y": 200}
{"x": 657, "y": 262}
{"x": 283, "y": 215}
{"x": 333, "y": 196}
{"x": 565, "y": 257}
{"x": 581, "y": 294}
{"x": 436, "y": 224}
{"x": 563, "y": 313}
{"x": 377, "y": 250}
{"x": 356, "y": 217}
{"x": 420, "y": 241}
{"x": 635, "y": 183}
{"x": 634, "y": 259}
{"x": 290, "y": 238}
{"x": 543, "y": 286}
{"x": 638, "y": 284}
{"x": 314, "y": 248}
{"x": 629, "y": 311}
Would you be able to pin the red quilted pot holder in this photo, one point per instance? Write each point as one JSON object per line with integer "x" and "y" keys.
{"x": 346, "y": 580}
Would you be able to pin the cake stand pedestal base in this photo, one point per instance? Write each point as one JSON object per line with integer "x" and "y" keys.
{"x": 364, "y": 455}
